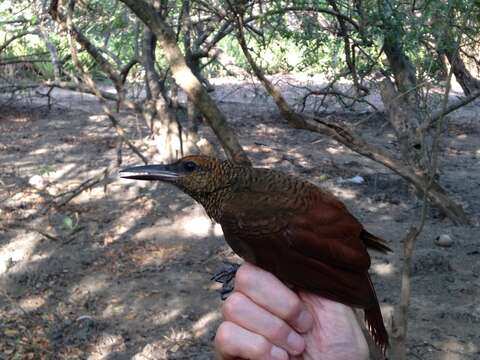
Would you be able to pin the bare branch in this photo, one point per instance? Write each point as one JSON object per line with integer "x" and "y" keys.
{"x": 400, "y": 318}
{"x": 88, "y": 80}
{"x": 339, "y": 93}
{"x": 452, "y": 107}
{"x": 126, "y": 69}
{"x": 16, "y": 21}
{"x": 87, "y": 184}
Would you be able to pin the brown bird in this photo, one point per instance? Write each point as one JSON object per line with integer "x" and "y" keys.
{"x": 288, "y": 226}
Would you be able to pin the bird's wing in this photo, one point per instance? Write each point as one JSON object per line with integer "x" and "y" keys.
{"x": 253, "y": 223}
{"x": 326, "y": 232}
{"x": 255, "y": 212}
{"x": 318, "y": 249}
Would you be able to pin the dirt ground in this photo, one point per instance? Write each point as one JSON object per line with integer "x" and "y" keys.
{"x": 123, "y": 270}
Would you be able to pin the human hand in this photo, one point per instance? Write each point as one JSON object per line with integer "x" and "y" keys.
{"x": 265, "y": 320}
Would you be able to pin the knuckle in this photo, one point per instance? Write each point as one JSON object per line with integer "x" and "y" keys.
{"x": 293, "y": 306}
{"x": 277, "y": 333}
{"x": 243, "y": 277}
{"x": 223, "y": 335}
{"x": 232, "y": 305}
{"x": 261, "y": 348}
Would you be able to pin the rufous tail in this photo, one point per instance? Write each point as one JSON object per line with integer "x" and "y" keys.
{"x": 374, "y": 320}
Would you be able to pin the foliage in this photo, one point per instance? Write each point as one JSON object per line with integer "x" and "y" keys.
{"x": 283, "y": 41}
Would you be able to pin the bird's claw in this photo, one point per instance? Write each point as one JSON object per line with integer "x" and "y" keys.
{"x": 226, "y": 276}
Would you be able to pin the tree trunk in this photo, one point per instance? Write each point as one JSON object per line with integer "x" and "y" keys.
{"x": 466, "y": 80}
{"x": 194, "y": 65}
{"x": 53, "y": 53}
{"x": 448, "y": 46}
{"x": 404, "y": 119}
{"x": 163, "y": 123}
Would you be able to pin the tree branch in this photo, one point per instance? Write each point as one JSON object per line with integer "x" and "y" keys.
{"x": 354, "y": 142}
{"x": 304, "y": 9}
{"x": 16, "y": 37}
{"x": 452, "y": 107}
{"x": 187, "y": 81}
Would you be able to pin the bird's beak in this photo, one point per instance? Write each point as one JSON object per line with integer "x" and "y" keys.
{"x": 150, "y": 172}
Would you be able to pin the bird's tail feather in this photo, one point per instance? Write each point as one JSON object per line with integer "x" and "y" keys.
{"x": 374, "y": 320}
{"x": 375, "y": 325}
{"x": 374, "y": 243}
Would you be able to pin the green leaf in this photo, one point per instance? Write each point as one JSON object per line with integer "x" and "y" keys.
{"x": 68, "y": 223}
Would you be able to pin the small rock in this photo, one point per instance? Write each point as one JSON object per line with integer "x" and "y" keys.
{"x": 37, "y": 182}
{"x": 444, "y": 240}
{"x": 357, "y": 179}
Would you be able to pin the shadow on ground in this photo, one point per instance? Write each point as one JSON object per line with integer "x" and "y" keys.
{"x": 125, "y": 272}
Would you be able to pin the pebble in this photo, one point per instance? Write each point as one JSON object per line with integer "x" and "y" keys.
{"x": 37, "y": 182}
{"x": 444, "y": 240}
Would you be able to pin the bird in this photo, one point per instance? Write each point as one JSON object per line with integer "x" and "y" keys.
{"x": 286, "y": 225}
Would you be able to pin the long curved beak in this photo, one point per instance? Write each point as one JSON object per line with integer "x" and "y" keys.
{"x": 150, "y": 172}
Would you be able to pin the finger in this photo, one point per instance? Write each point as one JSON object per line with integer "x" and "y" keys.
{"x": 242, "y": 311}
{"x": 233, "y": 341}
{"x": 271, "y": 294}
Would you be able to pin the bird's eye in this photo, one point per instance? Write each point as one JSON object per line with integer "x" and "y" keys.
{"x": 189, "y": 166}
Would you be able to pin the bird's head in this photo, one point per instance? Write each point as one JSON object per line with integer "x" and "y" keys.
{"x": 194, "y": 174}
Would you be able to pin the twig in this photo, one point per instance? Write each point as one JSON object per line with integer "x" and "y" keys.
{"x": 29, "y": 228}
{"x": 339, "y": 94}
{"x": 21, "y": 61}
{"x": 304, "y": 9}
{"x": 87, "y": 184}
{"x": 452, "y": 107}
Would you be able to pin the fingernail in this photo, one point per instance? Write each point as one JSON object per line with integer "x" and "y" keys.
{"x": 304, "y": 321}
{"x": 278, "y": 353}
{"x": 295, "y": 342}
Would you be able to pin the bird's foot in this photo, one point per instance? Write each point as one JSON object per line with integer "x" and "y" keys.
{"x": 226, "y": 276}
